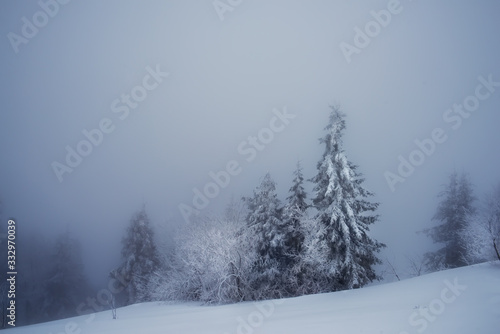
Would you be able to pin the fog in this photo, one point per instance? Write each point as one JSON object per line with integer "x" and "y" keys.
{"x": 209, "y": 79}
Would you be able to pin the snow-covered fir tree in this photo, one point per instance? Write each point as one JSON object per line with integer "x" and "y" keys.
{"x": 264, "y": 220}
{"x": 294, "y": 216}
{"x": 140, "y": 258}
{"x": 340, "y": 243}
{"x": 453, "y": 213}
{"x": 293, "y": 213}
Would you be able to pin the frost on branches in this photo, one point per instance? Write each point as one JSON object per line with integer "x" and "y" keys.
{"x": 481, "y": 236}
{"x": 340, "y": 251}
{"x": 211, "y": 263}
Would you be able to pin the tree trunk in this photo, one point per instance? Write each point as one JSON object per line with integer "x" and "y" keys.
{"x": 496, "y": 248}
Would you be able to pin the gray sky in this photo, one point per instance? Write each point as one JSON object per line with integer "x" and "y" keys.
{"x": 225, "y": 78}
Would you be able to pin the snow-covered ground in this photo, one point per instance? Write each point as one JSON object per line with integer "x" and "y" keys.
{"x": 464, "y": 300}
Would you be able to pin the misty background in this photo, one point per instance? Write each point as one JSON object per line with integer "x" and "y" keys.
{"x": 225, "y": 78}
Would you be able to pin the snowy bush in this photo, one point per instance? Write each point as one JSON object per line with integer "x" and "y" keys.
{"x": 481, "y": 237}
{"x": 211, "y": 263}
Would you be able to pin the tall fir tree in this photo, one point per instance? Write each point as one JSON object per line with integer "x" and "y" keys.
{"x": 344, "y": 213}
{"x": 140, "y": 258}
{"x": 453, "y": 213}
{"x": 298, "y": 197}
{"x": 264, "y": 220}
{"x": 294, "y": 212}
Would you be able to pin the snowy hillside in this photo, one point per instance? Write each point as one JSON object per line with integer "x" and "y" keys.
{"x": 464, "y": 300}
